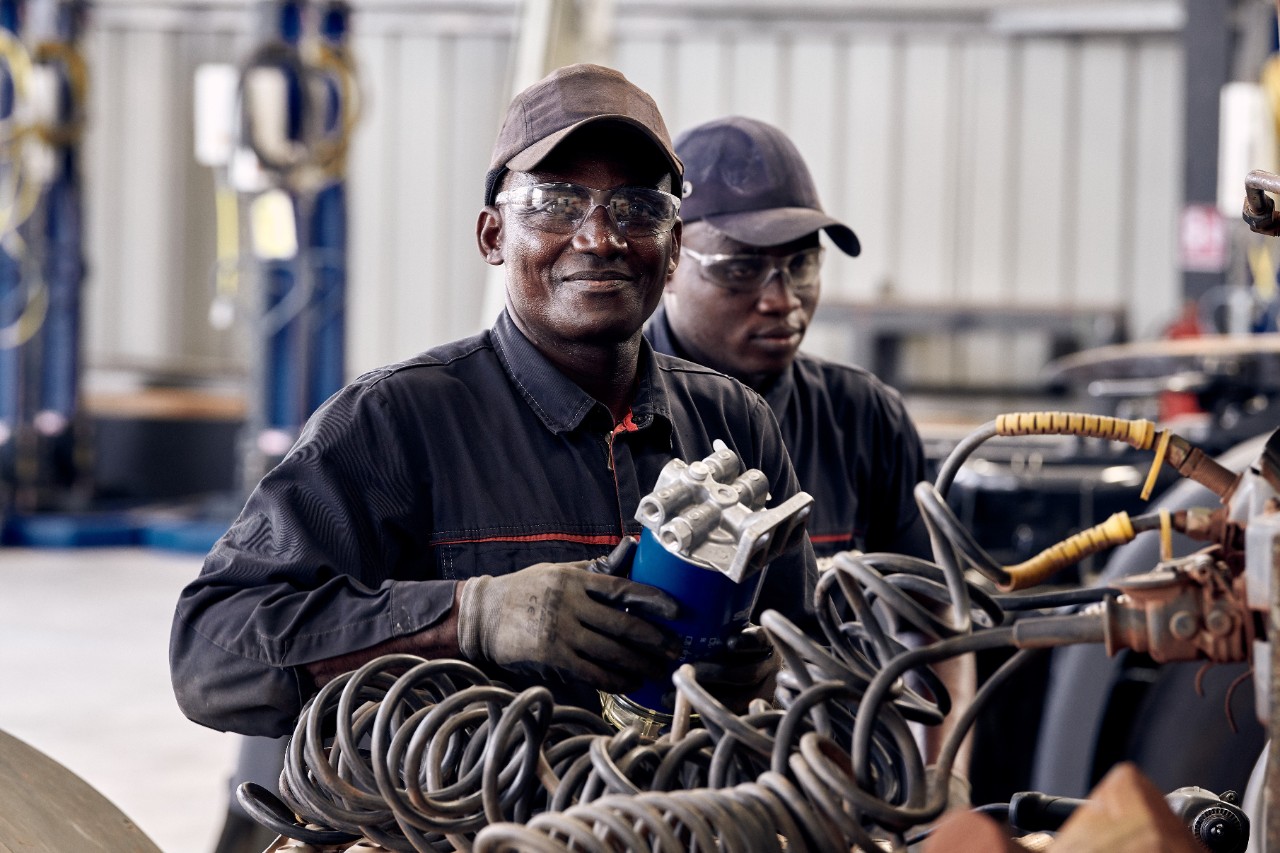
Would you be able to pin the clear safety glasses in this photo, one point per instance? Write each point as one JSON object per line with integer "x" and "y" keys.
{"x": 560, "y": 208}
{"x": 749, "y": 273}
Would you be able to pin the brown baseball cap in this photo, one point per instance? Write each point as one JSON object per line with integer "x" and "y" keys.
{"x": 568, "y": 99}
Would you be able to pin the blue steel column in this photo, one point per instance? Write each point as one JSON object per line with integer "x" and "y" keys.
{"x": 328, "y": 232}
{"x": 62, "y": 265}
{"x": 283, "y": 391}
{"x": 12, "y": 294}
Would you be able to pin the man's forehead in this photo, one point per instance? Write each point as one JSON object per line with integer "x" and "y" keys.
{"x": 606, "y": 147}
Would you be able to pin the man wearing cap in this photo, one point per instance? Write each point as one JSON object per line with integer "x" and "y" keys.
{"x": 450, "y": 505}
{"x": 741, "y": 301}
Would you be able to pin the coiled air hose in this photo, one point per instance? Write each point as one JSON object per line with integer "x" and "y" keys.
{"x": 432, "y": 755}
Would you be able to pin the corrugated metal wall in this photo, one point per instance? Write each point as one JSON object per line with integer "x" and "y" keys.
{"x": 975, "y": 163}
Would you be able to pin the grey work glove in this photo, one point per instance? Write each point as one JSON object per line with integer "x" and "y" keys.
{"x": 618, "y": 561}
{"x": 746, "y": 669}
{"x": 560, "y": 619}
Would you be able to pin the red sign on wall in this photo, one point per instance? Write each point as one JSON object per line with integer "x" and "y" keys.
{"x": 1202, "y": 239}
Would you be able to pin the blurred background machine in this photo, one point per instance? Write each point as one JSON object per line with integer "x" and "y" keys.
{"x": 1068, "y": 718}
{"x": 171, "y": 466}
{"x": 43, "y": 91}
{"x": 276, "y": 131}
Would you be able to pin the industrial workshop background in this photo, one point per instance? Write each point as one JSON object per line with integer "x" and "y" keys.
{"x": 1028, "y": 179}
{"x": 998, "y": 155}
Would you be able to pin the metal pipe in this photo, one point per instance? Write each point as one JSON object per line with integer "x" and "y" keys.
{"x": 1256, "y": 186}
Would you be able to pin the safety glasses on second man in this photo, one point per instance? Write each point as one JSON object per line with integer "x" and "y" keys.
{"x": 748, "y": 273}
{"x": 561, "y": 208}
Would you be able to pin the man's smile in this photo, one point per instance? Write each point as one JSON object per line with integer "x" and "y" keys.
{"x": 614, "y": 277}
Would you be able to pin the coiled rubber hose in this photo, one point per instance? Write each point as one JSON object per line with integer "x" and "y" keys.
{"x": 422, "y": 755}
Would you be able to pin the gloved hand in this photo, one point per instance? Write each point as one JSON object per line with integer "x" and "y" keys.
{"x": 561, "y": 619}
{"x": 746, "y": 669}
{"x": 618, "y": 561}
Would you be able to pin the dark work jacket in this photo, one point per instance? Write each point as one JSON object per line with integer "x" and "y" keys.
{"x": 854, "y": 449}
{"x": 477, "y": 457}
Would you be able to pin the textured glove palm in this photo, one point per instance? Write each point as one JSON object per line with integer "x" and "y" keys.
{"x": 746, "y": 669}
{"x": 560, "y": 619}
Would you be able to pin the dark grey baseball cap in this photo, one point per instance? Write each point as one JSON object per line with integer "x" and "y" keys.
{"x": 747, "y": 179}
{"x": 568, "y": 99}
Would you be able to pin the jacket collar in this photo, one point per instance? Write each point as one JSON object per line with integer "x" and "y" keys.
{"x": 560, "y": 404}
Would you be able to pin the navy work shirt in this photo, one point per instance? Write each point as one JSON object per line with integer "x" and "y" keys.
{"x": 854, "y": 449}
{"x": 477, "y": 457}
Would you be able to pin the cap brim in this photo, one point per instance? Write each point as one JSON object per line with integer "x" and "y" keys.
{"x": 530, "y": 157}
{"x": 780, "y": 225}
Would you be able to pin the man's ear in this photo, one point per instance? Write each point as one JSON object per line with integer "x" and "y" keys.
{"x": 489, "y": 235}
{"x": 677, "y": 234}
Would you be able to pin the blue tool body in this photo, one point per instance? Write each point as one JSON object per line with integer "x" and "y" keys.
{"x": 707, "y": 540}
{"x": 712, "y": 607}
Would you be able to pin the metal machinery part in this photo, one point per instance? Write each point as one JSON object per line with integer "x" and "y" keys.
{"x": 1262, "y": 580}
{"x": 1217, "y": 822}
{"x": 1073, "y": 714}
{"x": 1101, "y": 710}
{"x": 1263, "y": 565}
{"x": 707, "y": 540}
{"x": 45, "y": 808}
{"x": 1259, "y": 209}
{"x": 417, "y": 755}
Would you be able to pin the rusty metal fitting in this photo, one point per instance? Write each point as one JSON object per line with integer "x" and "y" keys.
{"x": 1183, "y": 625}
{"x": 1194, "y": 464}
{"x": 1210, "y": 524}
{"x": 1219, "y": 622}
{"x": 1192, "y": 609}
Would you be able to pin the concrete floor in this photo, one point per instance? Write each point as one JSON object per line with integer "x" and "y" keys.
{"x": 84, "y": 678}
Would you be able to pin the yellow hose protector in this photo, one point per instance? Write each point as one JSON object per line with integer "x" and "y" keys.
{"x": 1162, "y": 450}
{"x": 1166, "y": 536}
{"x": 1139, "y": 433}
{"x": 1116, "y": 530}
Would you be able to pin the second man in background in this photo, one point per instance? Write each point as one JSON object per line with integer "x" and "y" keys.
{"x": 741, "y": 301}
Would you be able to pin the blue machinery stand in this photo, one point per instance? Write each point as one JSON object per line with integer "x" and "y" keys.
{"x": 298, "y": 320}
{"x": 303, "y": 325}
{"x": 41, "y": 265}
{"x": 62, "y": 263}
{"x": 329, "y": 219}
{"x": 12, "y": 293}
{"x": 296, "y": 313}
